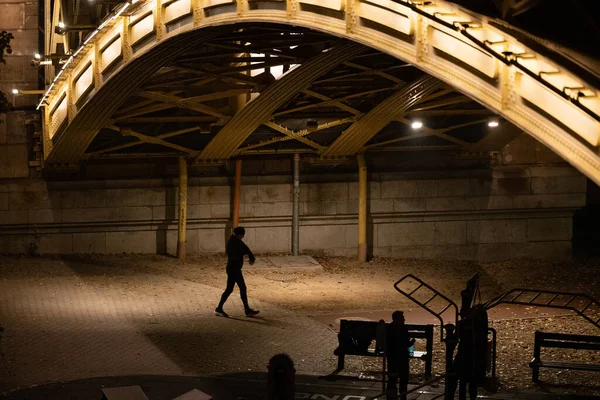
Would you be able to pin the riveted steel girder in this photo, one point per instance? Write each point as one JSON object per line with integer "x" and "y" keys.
{"x": 533, "y": 89}
{"x": 71, "y": 143}
{"x": 394, "y": 107}
{"x": 244, "y": 122}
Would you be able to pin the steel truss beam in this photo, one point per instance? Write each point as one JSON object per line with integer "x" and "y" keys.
{"x": 154, "y": 140}
{"x": 392, "y": 108}
{"x": 245, "y": 121}
{"x": 180, "y": 102}
{"x": 333, "y": 101}
{"x": 300, "y": 133}
{"x": 441, "y": 133}
{"x": 293, "y": 135}
{"x": 127, "y": 145}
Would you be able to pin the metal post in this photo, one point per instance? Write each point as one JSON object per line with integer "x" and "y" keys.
{"x": 451, "y": 341}
{"x": 236, "y": 193}
{"x": 183, "y": 178}
{"x": 296, "y": 208}
{"x": 362, "y": 208}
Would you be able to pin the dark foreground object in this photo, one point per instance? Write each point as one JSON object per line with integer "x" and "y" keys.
{"x": 251, "y": 385}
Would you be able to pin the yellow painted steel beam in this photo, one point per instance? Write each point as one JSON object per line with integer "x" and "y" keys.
{"x": 140, "y": 104}
{"x": 180, "y": 102}
{"x": 443, "y": 103}
{"x": 362, "y": 208}
{"x": 435, "y": 113}
{"x": 392, "y": 108}
{"x": 364, "y": 72}
{"x": 158, "y": 120}
{"x": 441, "y": 133}
{"x": 303, "y": 132}
{"x": 243, "y": 123}
{"x": 127, "y": 145}
{"x": 293, "y": 135}
{"x": 376, "y": 72}
{"x": 418, "y": 148}
{"x": 154, "y": 140}
{"x": 280, "y": 151}
{"x": 397, "y": 140}
{"x": 333, "y": 101}
{"x": 237, "y": 193}
{"x": 182, "y": 216}
{"x": 337, "y": 103}
{"x": 144, "y": 110}
{"x": 85, "y": 120}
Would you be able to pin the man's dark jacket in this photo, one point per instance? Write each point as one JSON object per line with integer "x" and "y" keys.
{"x": 236, "y": 249}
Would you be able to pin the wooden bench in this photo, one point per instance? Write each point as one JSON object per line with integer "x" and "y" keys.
{"x": 562, "y": 341}
{"x": 366, "y": 332}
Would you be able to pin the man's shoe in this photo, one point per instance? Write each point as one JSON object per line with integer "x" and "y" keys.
{"x": 220, "y": 313}
{"x": 251, "y": 313}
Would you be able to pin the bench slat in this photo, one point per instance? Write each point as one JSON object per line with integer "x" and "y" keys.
{"x": 545, "y": 336}
{"x": 371, "y": 353}
{"x": 567, "y": 365}
{"x": 570, "y": 345}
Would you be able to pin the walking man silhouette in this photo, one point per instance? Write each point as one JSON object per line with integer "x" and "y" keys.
{"x": 236, "y": 250}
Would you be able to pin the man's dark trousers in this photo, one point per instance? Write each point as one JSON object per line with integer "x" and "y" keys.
{"x": 235, "y": 276}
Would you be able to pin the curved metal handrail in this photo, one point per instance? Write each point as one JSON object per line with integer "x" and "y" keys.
{"x": 512, "y": 297}
{"x": 424, "y": 305}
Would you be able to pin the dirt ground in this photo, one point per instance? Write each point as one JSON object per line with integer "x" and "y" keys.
{"x": 347, "y": 285}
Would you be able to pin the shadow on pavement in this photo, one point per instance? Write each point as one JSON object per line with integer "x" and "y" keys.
{"x": 251, "y": 386}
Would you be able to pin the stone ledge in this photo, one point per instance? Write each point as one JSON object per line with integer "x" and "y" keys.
{"x": 277, "y": 221}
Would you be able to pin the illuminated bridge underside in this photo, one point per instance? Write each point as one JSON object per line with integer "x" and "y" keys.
{"x": 459, "y": 48}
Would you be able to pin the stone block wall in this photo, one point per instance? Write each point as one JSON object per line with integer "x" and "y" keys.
{"x": 21, "y": 19}
{"x": 487, "y": 215}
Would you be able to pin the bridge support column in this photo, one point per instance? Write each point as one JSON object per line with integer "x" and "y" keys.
{"x": 236, "y": 193}
{"x": 362, "y": 208}
{"x": 296, "y": 207}
{"x": 183, "y": 181}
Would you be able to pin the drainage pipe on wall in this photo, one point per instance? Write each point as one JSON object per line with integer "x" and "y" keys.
{"x": 236, "y": 193}
{"x": 183, "y": 180}
{"x": 362, "y": 208}
{"x": 296, "y": 207}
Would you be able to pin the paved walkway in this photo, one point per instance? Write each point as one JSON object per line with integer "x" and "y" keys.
{"x": 73, "y": 325}
{"x": 78, "y": 328}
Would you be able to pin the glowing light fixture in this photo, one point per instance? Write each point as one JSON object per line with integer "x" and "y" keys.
{"x": 15, "y": 91}
{"x": 37, "y": 56}
{"x": 493, "y": 123}
{"x": 417, "y": 125}
{"x": 61, "y": 25}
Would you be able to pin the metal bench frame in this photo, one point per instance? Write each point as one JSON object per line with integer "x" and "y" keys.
{"x": 415, "y": 331}
{"x": 562, "y": 341}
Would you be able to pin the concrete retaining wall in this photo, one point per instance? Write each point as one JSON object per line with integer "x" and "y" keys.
{"x": 509, "y": 212}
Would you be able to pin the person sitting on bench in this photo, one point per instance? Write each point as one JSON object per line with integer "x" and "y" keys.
{"x": 398, "y": 361}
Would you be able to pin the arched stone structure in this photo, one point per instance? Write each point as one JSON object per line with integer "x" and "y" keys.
{"x": 460, "y": 48}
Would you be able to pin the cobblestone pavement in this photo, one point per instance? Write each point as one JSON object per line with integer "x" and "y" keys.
{"x": 75, "y": 325}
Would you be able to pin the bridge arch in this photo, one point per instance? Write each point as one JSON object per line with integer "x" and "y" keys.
{"x": 476, "y": 56}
